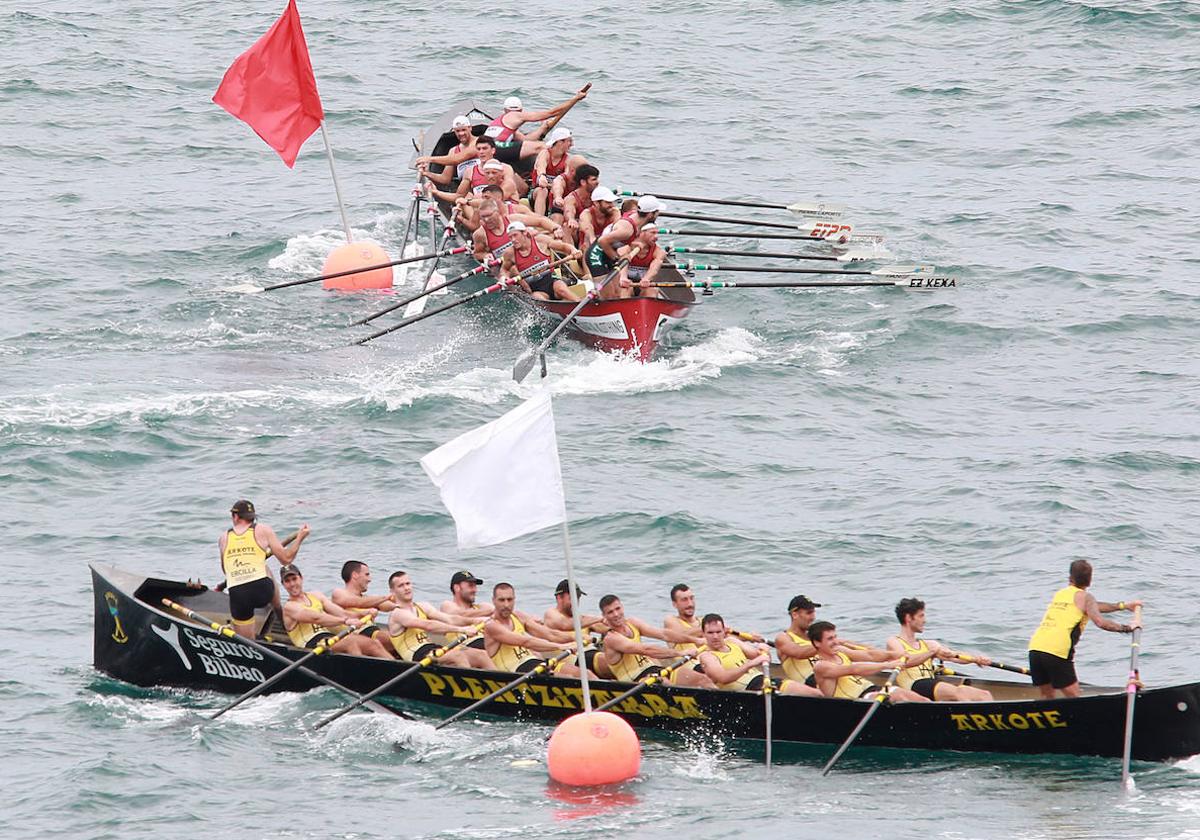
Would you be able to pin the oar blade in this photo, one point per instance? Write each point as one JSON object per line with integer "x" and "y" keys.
{"x": 244, "y": 289}
{"x": 524, "y": 365}
{"x": 821, "y": 210}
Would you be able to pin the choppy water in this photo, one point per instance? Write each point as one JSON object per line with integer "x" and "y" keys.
{"x": 856, "y": 446}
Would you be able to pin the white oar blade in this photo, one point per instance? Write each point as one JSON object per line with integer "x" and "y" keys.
{"x": 902, "y": 270}
{"x": 818, "y": 210}
{"x": 418, "y": 305}
{"x": 860, "y": 255}
{"x": 928, "y": 281}
{"x": 244, "y": 289}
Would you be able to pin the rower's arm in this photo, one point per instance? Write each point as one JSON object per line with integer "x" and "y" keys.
{"x": 718, "y": 673}
{"x": 285, "y": 554}
{"x": 1093, "y": 611}
{"x": 296, "y": 613}
{"x": 655, "y": 264}
{"x": 360, "y": 602}
{"x": 561, "y": 108}
{"x": 896, "y": 649}
{"x": 450, "y": 158}
{"x": 442, "y": 178}
{"x": 784, "y": 646}
{"x": 854, "y": 669}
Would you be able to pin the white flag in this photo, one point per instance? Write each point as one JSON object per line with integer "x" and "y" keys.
{"x": 502, "y": 480}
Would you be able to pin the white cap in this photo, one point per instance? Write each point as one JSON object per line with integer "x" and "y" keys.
{"x": 513, "y": 103}
{"x": 557, "y": 133}
{"x": 650, "y": 204}
{"x": 460, "y": 122}
{"x": 603, "y": 194}
{"x": 516, "y": 224}
{"x": 493, "y": 164}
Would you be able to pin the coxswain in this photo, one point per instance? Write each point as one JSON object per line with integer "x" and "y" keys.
{"x": 921, "y": 674}
{"x": 630, "y": 659}
{"x": 532, "y": 251}
{"x": 353, "y": 597}
{"x": 553, "y": 160}
{"x": 602, "y": 213}
{"x": 618, "y": 240}
{"x": 311, "y": 618}
{"x": 506, "y": 128}
{"x": 243, "y": 551}
{"x": 1052, "y": 648}
{"x": 457, "y": 161}
{"x": 587, "y": 178}
{"x": 514, "y": 639}
{"x": 842, "y": 672}
{"x": 734, "y": 665}
{"x": 411, "y": 624}
{"x": 644, "y": 265}
{"x": 464, "y": 587}
{"x": 558, "y": 617}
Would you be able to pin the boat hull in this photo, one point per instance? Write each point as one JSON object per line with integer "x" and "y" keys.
{"x": 140, "y": 643}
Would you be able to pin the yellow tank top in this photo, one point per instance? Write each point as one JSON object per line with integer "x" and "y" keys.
{"x": 510, "y": 657}
{"x": 686, "y": 646}
{"x": 244, "y": 560}
{"x": 796, "y": 669}
{"x": 1061, "y": 625}
{"x": 630, "y": 665}
{"x": 733, "y": 659}
{"x": 926, "y": 670}
{"x": 412, "y": 639}
{"x": 303, "y": 631}
{"x": 850, "y": 686}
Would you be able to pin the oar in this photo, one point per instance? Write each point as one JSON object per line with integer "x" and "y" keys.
{"x": 321, "y": 647}
{"x": 767, "y": 690}
{"x": 907, "y": 281}
{"x": 399, "y": 678}
{"x": 750, "y": 637}
{"x": 725, "y": 220}
{"x": 661, "y": 675}
{"x": 838, "y": 238}
{"x": 451, "y": 230}
{"x": 847, "y": 256}
{"x": 524, "y": 363}
{"x": 528, "y": 675}
{"x": 1016, "y": 669}
{"x": 544, "y": 129}
{"x": 1131, "y": 688}
{"x": 228, "y": 632}
{"x": 806, "y": 209}
{"x": 479, "y": 269}
{"x": 883, "y": 271}
{"x": 876, "y": 702}
{"x": 253, "y": 290}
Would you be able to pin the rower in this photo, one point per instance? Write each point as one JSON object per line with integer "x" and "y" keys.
{"x": 553, "y": 160}
{"x": 796, "y": 651}
{"x": 530, "y": 252}
{"x": 629, "y": 658}
{"x": 506, "y": 128}
{"x": 599, "y": 216}
{"x": 621, "y": 240}
{"x": 461, "y": 157}
{"x": 491, "y": 238}
{"x": 684, "y": 620}
{"x": 842, "y": 672}
{"x": 513, "y": 638}
{"x": 586, "y": 179}
{"x": 474, "y": 178}
{"x": 353, "y": 597}
{"x": 644, "y": 265}
{"x": 464, "y": 586}
{"x": 558, "y": 618}
{"x": 411, "y": 623}
{"x": 311, "y": 618}
{"x": 921, "y": 675}
{"x": 243, "y": 551}
{"x": 731, "y": 663}
{"x": 1052, "y": 648}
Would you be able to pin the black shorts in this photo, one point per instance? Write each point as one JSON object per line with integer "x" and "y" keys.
{"x": 755, "y": 684}
{"x": 925, "y": 687}
{"x": 589, "y": 656}
{"x": 423, "y": 651}
{"x": 653, "y": 669}
{"x": 245, "y": 598}
{"x": 372, "y": 631}
{"x": 509, "y": 153}
{"x": 543, "y": 284}
{"x": 528, "y": 665}
{"x": 598, "y": 263}
{"x": 317, "y": 639}
{"x": 810, "y": 681}
{"x": 478, "y": 644}
{"x": 868, "y": 690}
{"x": 1048, "y": 669}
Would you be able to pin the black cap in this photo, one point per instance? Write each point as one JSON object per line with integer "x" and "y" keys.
{"x": 563, "y": 588}
{"x": 460, "y": 577}
{"x": 287, "y": 571}
{"x": 802, "y": 602}
{"x": 244, "y": 509}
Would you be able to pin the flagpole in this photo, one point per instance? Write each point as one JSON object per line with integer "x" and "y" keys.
{"x": 337, "y": 188}
{"x": 583, "y": 671}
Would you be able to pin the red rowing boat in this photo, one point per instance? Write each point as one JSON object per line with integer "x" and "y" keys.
{"x": 633, "y": 327}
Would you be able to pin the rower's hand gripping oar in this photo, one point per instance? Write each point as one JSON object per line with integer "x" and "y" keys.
{"x": 524, "y": 363}
{"x": 1131, "y": 689}
{"x": 541, "y": 668}
{"x": 320, "y": 648}
{"x": 253, "y": 290}
{"x": 876, "y": 701}
{"x": 399, "y": 678}
{"x": 229, "y": 633}
{"x": 662, "y": 675}
{"x": 966, "y": 657}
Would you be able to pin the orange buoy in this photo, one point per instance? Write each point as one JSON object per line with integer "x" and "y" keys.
{"x": 357, "y": 255}
{"x": 593, "y": 748}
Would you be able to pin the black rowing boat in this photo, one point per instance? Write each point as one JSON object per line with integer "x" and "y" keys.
{"x": 139, "y": 642}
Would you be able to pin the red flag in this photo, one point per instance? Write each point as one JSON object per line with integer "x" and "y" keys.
{"x": 272, "y": 89}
